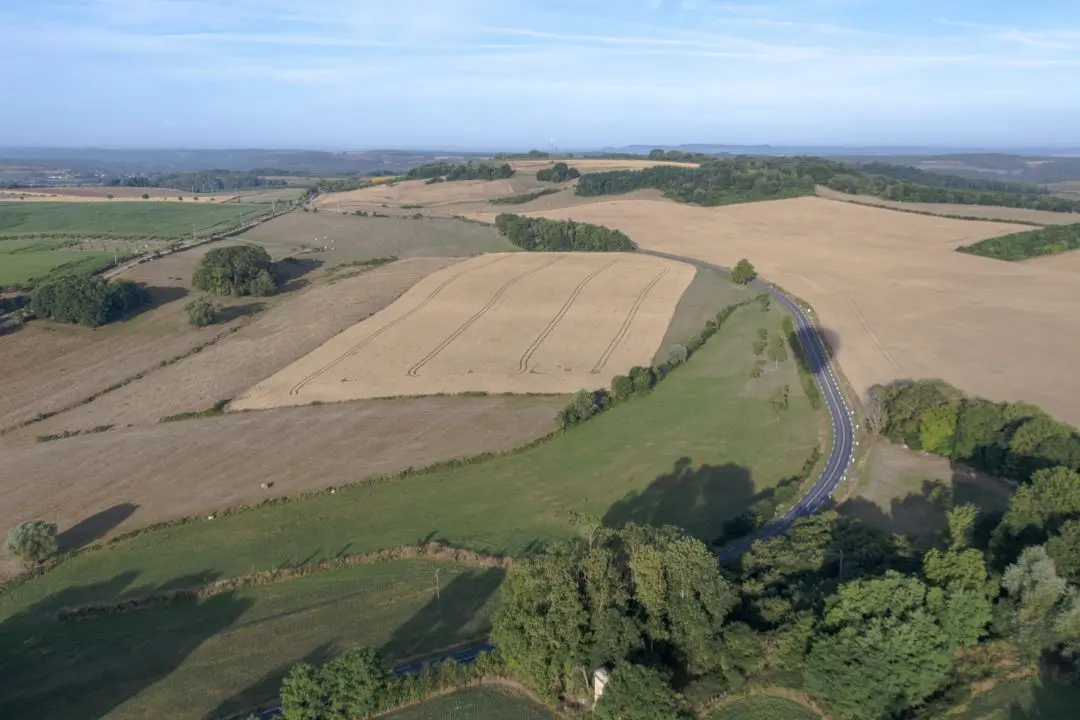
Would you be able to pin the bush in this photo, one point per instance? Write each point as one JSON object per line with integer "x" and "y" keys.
{"x": 87, "y": 300}
{"x": 33, "y": 541}
{"x": 145, "y": 196}
{"x": 201, "y": 312}
{"x": 238, "y": 270}
{"x": 743, "y": 272}
{"x": 622, "y": 388}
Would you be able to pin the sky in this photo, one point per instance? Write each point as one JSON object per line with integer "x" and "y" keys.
{"x": 516, "y": 74}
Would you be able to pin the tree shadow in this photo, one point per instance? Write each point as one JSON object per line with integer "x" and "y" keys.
{"x": 699, "y": 500}
{"x": 95, "y": 527}
{"x": 799, "y": 339}
{"x": 267, "y": 688}
{"x": 292, "y": 270}
{"x": 84, "y": 669}
{"x": 160, "y": 295}
{"x": 452, "y": 616}
{"x": 1050, "y": 700}
{"x": 232, "y": 312}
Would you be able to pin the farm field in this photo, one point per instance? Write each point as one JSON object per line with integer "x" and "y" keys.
{"x": 511, "y": 322}
{"x": 890, "y": 288}
{"x": 763, "y": 707}
{"x": 478, "y": 703}
{"x": 984, "y": 212}
{"x": 227, "y": 653}
{"x": 694, "y": 452}
{"x": 277, "y": 331}
{"x": 895, "y": 487}
{"x": 107, "y": 483}
{"x": 149, "y": 220}
{"x": 23, "y": 259}
{"x": 418, "y": 192}
{"x": 1069, "y": 188}
{"x": 1068, "y": 262}
{"x": 119, "y": 194}
{"x": 349, "y": 239}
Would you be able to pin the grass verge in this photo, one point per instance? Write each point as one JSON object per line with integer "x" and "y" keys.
{"x": 478, "y": 703}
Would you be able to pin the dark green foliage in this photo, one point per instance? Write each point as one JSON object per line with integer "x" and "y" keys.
{"x": 802, "y": 364}
{"x": 524, "y": 197}
{"x": 1032, "y": 243}
{"x": 33, "y": 541}
{"x": 543, "y": 235}
{"x": 583, "y": 405}
{"x": 353, "y": 685}
{"x": 1064, "y": 549}
{"x": 237, "y": 270}
{"x": 638, "y": 692}
{"x": 560, "y": 172}
{"x": 939, "y": 180}
{"x": 87, "y": 300}
{"x": 206, "y": 181}
{"x": 622, "y": 388}
{"x": 201, "y": 312}
{"x": 743, "y": 272}
{"x": 468, "y": 171}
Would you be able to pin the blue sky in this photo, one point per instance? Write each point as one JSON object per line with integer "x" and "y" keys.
{"x": 337, "y": 74}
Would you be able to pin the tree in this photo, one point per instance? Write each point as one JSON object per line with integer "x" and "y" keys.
{"x": 1037, "y": 510}
{"x": 85, "y": 300}
{"x": 1044, "y": 607}
{"x": 743, "y": 272}
{"x": 937, "y": 429}
{"x": 779, "y": 400}
{"x": 201, "y": 312}
{"x": 303, "y": 696}
{"x": 237, "y": 270}
{"x": 146, "y": 196}
{"x": 355, "y": 683}
{"x": 1064, "y": 550}
{"x": 622, "y": 387}
{"x": 33, "y": 541}
{"x": 637, "y": 692}
{"x": 777, "y": 350}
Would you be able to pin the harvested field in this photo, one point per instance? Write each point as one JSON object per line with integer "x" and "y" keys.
{"x": 280, "y": 335}
{"x": 1068, "y": 262}
{"x": 891, "y": 290}
{"x": 83, "y": 481}
{"x": 983, "y": 212}
{"x": 593, "y": 164}
{"x": 520, "y": 322}
{"x": 418, "y": 192}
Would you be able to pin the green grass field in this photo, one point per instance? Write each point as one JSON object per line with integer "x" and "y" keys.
{"x": 693, "y": 453}
{"x": 228, "y": 653}
{"x": 480, "y": 703}
{"x": 21, "y": 260}
{"x": 120, "y": 219}
{"x": 762, "y": 707}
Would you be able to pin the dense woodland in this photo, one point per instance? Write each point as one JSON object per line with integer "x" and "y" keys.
{"x": 543, "y": 235}
{"x": 720, "y": 181}
{"x": 468, "y": 171}
{"x": 1032, "y": 243}
{"x": 205, "y": 181}
{"x": 80, "y": 299}
{"x": 932, "y": 179}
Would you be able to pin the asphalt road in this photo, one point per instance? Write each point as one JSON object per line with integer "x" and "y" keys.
{"x": 840, "y": 458}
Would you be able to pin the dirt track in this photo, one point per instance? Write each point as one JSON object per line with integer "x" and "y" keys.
{"x": 517, "y": 322}
{"x": 890, "y": 290}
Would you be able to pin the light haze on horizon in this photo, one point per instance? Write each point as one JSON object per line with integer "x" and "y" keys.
{"x": 516, "y": 73}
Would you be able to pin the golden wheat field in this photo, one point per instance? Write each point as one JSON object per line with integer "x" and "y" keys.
{"x": 505, "y": 322}
{"x": 900, "y": 302}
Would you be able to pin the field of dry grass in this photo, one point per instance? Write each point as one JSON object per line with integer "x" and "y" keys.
{"x": 1068, "y": 262}
{"x": 890, "y": 289}
{"x": 1022, "y": 215}
{"x": 418, "y": 192}
{"x": 116, "y": 481}
{"x": 511, "y": 322}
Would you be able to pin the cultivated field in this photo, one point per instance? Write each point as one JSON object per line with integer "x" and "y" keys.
{"x": 508, "y": 322}
{"x": 889, "y": 286}
{"x": 110, "y": 482}
{"x": 147, "y": 220}
{"x": 418, "y": 192}
{"x": 586, "y": 165}
{"x": 984, "y": 212}
{"x": 101, "y": 195}
{"x": 1068, "y": 262}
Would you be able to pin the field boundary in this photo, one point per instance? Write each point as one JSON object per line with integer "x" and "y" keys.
{"x": 776, "y": 691}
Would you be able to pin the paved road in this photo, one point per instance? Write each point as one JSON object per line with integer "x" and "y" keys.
{"x": 841, "y": 454}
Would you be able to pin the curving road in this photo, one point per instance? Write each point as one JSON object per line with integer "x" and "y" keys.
{"x": 841, "y": 453}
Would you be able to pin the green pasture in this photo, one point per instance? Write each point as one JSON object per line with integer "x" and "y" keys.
{"x": 121, "y": 219}
{"x": 24, "y": 259}
{"x": 478, "y": 703}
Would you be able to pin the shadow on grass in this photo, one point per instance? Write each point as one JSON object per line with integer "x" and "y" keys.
{"x": 699, "y": 500}
{"x": 95, "y": 527}
{"x": 268, "y": 688}
{"x": 86, "y": 669}
{"x": 292, "y": 271}
{"x": 232, "y": 312}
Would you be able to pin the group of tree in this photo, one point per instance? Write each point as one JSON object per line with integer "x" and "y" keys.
{"x": 1031, "y": 243}
{"x": 544, "y": 235}
{"x": 932, "y": 179}
{"x": 857, "y": 182}
{"x": 237, "y": 270}
{"x": 466, "y": 171}
{"x": 679, "y": 156}
{"x": 1010, "y": 440}
{"x": 204, "y": 181}
{"x": 559, "y": 172}
{"x": 82, "y": 299}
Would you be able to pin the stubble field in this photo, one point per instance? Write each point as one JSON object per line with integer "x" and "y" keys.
{"x": 508, "y": 322}
{"x": 984, "y": 212}
{"x": 890, "y": 288}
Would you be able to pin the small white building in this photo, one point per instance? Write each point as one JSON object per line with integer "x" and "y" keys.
{"x": 600, "y": 681}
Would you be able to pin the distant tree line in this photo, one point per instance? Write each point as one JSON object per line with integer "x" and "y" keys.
{"x": 206, "y": 181}
{"x": 80, "y": 299}
{"x": 1031, "y": 243}
{"x": 859, "y": 183}
{"x": 466, "y": 171}
{"x": 1011, "y": 440}
{"x": 916, "y": 176}
{"x": 680, "y": 156}
{"x": 559, "y": 172}
{"x": 544, "y": 235}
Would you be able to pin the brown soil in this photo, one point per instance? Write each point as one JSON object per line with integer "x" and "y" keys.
{"x": 1040, "y": 217}
{"x": 117, "y": 481}
{"x": 271, "y": 340}
{"x": 892, "y": 294}
{"x": 518, "y": 322}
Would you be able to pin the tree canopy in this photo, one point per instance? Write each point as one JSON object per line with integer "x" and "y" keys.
{"x": 466, "y": 171}
{"x": 559, "y": 172}
{"x": 81, "y": 299}
{"x": 237, "y": 270}
{"x": 542, "y": 234}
